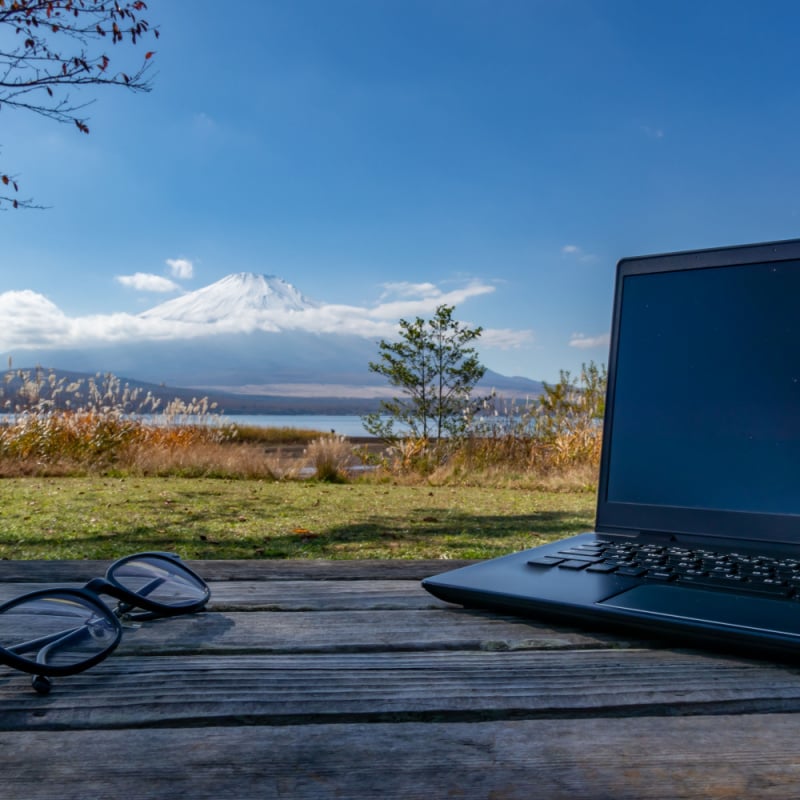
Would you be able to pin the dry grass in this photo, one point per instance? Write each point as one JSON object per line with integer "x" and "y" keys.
{"x": 203, "y": 459}
{"x": 332, "y": 458}
{"x": 548, "y": 446}
{"x": 272, "y": 437}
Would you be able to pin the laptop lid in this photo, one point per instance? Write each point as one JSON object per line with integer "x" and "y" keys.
{"x": 702, "y": 423}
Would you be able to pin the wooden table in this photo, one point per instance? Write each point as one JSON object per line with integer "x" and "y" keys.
{"x": 323, "y": 680}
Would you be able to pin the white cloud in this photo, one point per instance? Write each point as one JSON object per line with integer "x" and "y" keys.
{"x": 653, "y": 133}
{"x": 147, "y": 282}
{"x": 180, "y": 268}
{"x": 506, "y": 338}
{"x": 431, "y": 298}
{"x": 29, "y": 320}
{"x": 203, "y": 123}
{"x": 584, "y": 342}
{"x": 578, "y": 253}
{"x": 407, "y": 289}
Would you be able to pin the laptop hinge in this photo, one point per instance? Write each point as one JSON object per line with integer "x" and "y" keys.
{"x": 657, "y": 537}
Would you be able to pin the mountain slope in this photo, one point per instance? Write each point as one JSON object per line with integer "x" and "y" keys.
{"x": 243, "y": 294}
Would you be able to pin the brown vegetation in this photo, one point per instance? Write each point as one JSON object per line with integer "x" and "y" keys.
{"x": 114, "y": 431}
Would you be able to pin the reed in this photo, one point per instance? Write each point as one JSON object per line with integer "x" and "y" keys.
{"x": 102, "y": 426}
{"x": 54, "y": 426}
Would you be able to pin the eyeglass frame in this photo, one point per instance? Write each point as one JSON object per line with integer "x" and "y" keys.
{"x": 90, "y": 594}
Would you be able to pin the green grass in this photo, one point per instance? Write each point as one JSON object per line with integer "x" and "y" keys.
{"x": 101, "y": 517}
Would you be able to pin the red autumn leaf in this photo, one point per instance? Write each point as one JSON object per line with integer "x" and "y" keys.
{"x": 149, "y": 54}
{"x": 5, "y": 180}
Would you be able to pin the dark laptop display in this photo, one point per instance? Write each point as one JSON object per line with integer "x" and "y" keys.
{"x": 698, "y": 514}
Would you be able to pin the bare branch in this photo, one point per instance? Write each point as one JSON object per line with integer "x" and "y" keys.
{"x": 48, "y": 47}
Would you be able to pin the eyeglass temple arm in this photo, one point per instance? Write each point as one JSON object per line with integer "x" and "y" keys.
{"x": 124, "y": 606}
{"x": 41, "y": 683}
{"x": 43, "y": 641}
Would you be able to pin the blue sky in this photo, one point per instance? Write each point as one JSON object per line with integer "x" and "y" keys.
{"x": 501, "y": 155}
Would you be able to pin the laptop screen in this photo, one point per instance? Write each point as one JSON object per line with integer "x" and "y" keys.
{"x": 702, "y": 431}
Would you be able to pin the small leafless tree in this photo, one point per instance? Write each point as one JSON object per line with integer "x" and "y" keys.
{"x": 48, "y": 47}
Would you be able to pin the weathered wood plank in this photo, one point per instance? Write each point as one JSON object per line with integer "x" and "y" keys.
{"x": 266, "y": 632}
{"x": 588, "y": 759}
{"x": 214, "y": 570}
{"x": 292, "y": 595}
{"x": 446, "y": 686}
{"x": 321, "y": 595}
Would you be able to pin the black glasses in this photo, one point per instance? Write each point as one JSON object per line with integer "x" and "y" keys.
{"x": 54, "y": 632}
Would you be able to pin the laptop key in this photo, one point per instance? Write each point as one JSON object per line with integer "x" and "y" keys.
{"x": 631, "y": 571}
{"x": 589, "y": 559}
{"x": 545, "y": 561}
{"x": 661, "y": 575}
{"x": 573, "y": 564}
{"x": 601, "y": 567}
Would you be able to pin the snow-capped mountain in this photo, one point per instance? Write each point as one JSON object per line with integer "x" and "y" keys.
{"x": 233, "y": 297}
{"x": 248, "y": 334}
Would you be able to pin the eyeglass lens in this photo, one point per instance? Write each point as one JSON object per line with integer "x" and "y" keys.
{"x": 59, "y": 630}
{"x": 160, "y": 580}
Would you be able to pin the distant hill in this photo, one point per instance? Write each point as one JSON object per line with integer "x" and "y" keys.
{"x": 226, "y": 402}
{"x": 229, "y": 402}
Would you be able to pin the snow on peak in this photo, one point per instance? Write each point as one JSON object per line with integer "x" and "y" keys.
{"x": 235, "y": 297}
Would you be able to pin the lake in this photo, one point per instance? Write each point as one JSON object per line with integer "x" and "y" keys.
{"x": 343, "y": 424}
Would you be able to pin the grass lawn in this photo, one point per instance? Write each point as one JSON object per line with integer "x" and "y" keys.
{"x": 66, "y": 518}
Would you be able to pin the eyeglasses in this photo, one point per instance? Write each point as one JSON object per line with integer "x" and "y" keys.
{"x": 52, "y": 632}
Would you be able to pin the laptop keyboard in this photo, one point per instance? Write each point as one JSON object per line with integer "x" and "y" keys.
{"x": 707, "y": 569}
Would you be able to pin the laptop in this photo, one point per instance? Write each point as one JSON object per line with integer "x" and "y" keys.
{"x": 697, "y": 533}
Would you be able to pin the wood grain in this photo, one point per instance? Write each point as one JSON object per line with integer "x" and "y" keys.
{"x": 681, "y": 758}
{"x": 346, "y": 679}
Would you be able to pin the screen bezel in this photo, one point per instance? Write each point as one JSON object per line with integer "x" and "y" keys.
{"x": 620, "y": 517}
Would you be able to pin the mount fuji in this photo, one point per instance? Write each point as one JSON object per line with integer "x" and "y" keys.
{"x": 247, "y": 334}
{"x": 241, "y": 294}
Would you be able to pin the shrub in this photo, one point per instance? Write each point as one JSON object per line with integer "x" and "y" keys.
{"x": 331, "y": 457}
